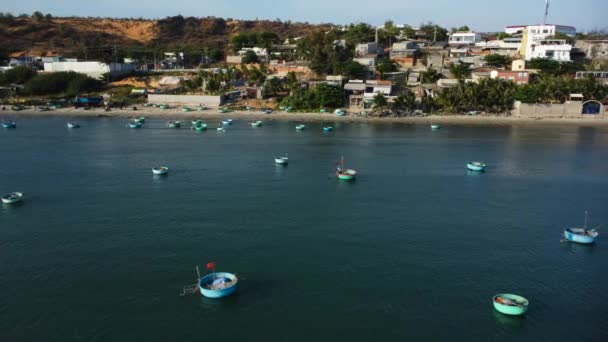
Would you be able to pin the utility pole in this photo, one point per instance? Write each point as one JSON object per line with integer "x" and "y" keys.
{"x": 435, "y": 35}
{"x": 547, "y": 3}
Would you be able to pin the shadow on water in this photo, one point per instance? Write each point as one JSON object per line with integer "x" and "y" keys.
{"x": 509, "y": 322}
{"x": 578, "y": 248}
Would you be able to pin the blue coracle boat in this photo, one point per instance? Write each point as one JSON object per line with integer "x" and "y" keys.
{"x": 9, "y": 125}
{"x": 476, "y": 166}
{"x": 328, "y": 129}
{"x": 218, "y": 285}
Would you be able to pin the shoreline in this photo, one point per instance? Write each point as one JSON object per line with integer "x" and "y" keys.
{"x": 210, "y": 114}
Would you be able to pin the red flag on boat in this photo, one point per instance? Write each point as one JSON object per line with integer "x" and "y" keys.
{"x": 210, "y": 265}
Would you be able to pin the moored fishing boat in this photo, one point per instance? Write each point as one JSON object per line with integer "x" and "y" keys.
{"x": 224, "y": 110}
{"x": 73, "y": 125}
{"x": 340, "y": 112}
{"x": 435, "y": 127}
{"x": 9, "y": 125}
{"x": 202, "y": 107}
{"x": 163, "y": 106}
{"x": 196, "y": 123}
{"x": 510, "y": 304}
{"x": 134, "y": 125}
{"x": 175, "y": 124}
{"x": 476, "y": 166}
{"x": 140, "y": 119}
{"x": 343, "y": 173}
{"x": 217, "y": 284}
{"x": 256, "y": 123}
{"x": 328, "y": 129}
{"x": 581, "y": 235}
{"x": 186, "y": 109}
{"x": 160, "y": 170}
{"x": 201, "y": 127}
{"x": 281, "y": 160}
{"x": 227, "y": 122}
{"x": 300, "y": 127}
{"x": 13, "y": 197}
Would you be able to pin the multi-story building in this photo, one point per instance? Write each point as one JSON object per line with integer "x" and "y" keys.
{"x": 547, "y": 29}
{"x": 517, "y": 77}
{"x": 464, "y": 38}
{"x": 537, "y": 42}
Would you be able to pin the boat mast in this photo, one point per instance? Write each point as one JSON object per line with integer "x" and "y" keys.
{"x": 586, "y": 215}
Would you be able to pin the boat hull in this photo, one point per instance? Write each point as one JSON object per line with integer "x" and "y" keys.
{"x": 9, "y": 125}
{"x": 160, "y": 171}
{"x": 281, "y": 161}
{"x": 12, "y": 198}
{"x": 474, "y": 167}
{"x": 512, "y": 310}
{"x": 135, "y": 125}
{"x": 578, "y": 235}
{"x": 346, "y": 175}
{"x": 328, "y": 129}
{"x": 435, "y": 127}
{"x": 204, "y": 282}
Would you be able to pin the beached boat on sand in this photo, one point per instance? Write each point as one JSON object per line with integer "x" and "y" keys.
{"x": 13, "y": 197}
{"x": 510, "y": 304}
{"x": 581, "y": 235}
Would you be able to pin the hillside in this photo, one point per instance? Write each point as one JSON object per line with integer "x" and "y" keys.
{"x": 71, "y": 36}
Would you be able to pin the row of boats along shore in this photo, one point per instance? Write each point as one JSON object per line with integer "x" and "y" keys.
{"x": 222, "y": 284}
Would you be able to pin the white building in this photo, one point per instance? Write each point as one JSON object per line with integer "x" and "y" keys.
{"x": 534, "y": 43}
{"x": 366, "y": 49}
{"x": 92, "y": 69}
{"x": 464, "y": 38}
{"x": 546, "y": 29}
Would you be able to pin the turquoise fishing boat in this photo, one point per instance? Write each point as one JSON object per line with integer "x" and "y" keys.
{"x": 345, "y": 174}
{"x": 163, "y": 106}
{"x": 256, "y": 123}
{"x": 134, "y": 125}
{"x": 510, "y": 304}
{"x": 224, "y": 110}
{"x": 9, "y": 125}
{"x": 73, "y": 125}
{"x": 227, "y": 122}
{"x": 340, "y": 112}
{"x": 161, "y": 170}
{"x": 300, "y": 127}
{"x": 328, "y": 129}
{"x": 281, "y": 160}
{"x": 12, "y": 198}
{"x": 581, "y": 235}
{"x": 196, "y": 122}
{"x": 476, "y": 166}
{"x": 200, "y": 127}
{"x": 218, "y": 284}
{"x": 186, "y": 109}
{"x": 140, "y": 119}
{"x": 435, "y": 127}
{"x": 175, "y": 124}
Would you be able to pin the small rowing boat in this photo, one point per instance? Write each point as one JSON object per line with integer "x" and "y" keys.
{"x": 13, "y": 197}
{"x": 161, "y": 170}
{"x": 510, "y": 304}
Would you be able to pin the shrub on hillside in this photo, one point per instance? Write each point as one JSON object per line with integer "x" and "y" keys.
{"x": 69, "y": 83}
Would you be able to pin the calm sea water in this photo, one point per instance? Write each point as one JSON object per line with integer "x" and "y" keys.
{"x": 413, "y": 250}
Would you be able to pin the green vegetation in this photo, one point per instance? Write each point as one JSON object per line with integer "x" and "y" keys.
{"x": 460, "y": 70}
{"x": 498, "y": 61}
{"x": 18, "y": 75}
{"x": 324, "y": 56}
{"x": 430, "y": 76}
{"x": 386, "y": 65}
{"x": 557, "y": 89}
{"x": 68, "y": 83}
{"x": 489, "y": 95}
{"x": 554, "y": 68}
{"x": 354, "y": 70}
{"x": 321, "y": 96}
{"x": 250, "y": 57}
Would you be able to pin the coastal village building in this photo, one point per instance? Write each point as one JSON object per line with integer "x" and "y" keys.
{"x": 95, "y": 70}
{"x": 517, "y": 77}
{"x": 600, "y": 76}
{"x": 360, "y": 92}
{"x": 405, "y": 53}
{"x": 464, "y": 38}
{"x": 369, "y": 62}
{"x": 537, "y": 42}
{"x": 367, "y": 49}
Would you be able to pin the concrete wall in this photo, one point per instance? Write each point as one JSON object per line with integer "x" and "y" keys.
{"x": 234, "y": 59}
{"x": 211, "y": 101}
{"x": 91, "y": 69}
{"x": 566, "y": 110}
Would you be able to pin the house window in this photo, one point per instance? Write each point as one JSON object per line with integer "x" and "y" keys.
{"x": 545, "y": 31}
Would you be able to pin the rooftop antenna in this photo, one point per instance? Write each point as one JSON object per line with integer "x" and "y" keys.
{"x": 547, "y": 3}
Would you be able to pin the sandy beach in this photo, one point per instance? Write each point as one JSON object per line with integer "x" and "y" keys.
{"x": 212, "y": 114}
